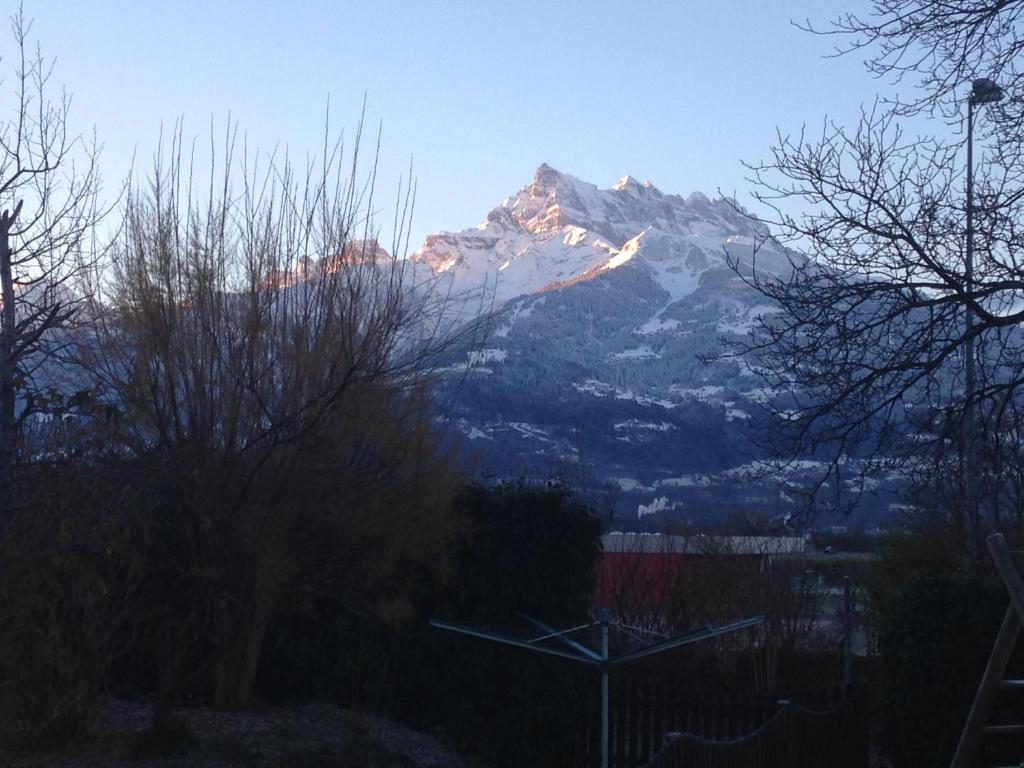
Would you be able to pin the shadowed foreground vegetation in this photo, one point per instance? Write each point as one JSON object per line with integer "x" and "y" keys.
{"x": 229, "y": 503}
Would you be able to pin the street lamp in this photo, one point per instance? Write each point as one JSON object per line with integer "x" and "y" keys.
{"x": 983, "y": 91}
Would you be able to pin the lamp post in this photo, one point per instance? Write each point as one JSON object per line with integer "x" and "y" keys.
{"x": 983, "y": 91}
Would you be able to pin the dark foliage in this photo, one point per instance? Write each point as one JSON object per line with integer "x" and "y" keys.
{"x": 935, "y": 635}
{"x": 527, "y": 549}
{"x": 69, "y": 593}
{"x": 521, "y": 548}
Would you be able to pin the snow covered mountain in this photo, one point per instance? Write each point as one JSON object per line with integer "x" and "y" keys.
{"x": 559, "y": 230}
{"x": 605, "y": 301}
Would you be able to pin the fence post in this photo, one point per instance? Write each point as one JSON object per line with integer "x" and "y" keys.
{"x": 603, "y": 616}
{"x": 847, "y": 637}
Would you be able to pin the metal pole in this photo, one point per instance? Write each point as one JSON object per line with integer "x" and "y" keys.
{"x": 847, "y": 636}
{"x": 603, "y": 617}
{"x": 602, "y": 660}
{"x": 969, "y": 444}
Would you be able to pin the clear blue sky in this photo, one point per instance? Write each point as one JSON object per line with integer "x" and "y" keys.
{"x": 476, "y": 93}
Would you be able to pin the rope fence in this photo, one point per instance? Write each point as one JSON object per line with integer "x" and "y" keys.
{"x": 793, "y": 737}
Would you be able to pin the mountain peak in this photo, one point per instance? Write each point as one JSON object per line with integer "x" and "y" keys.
{"x": 554, "y": 200}
{"x": 545, "y": 180}
{"x": 558, "y": 230}
{"x": 631, "y": 184}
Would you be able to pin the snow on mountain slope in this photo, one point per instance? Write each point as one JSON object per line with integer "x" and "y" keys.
{"x": 605, "y": 302}
{"x": 558, "y": 230}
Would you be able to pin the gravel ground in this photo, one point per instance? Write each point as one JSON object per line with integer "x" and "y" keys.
{"x": 313, "y": 735}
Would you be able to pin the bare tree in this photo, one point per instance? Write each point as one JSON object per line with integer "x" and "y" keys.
{"x": 268, "y": 366}
{"x": 867, "y": 356}
{"x": 938, "y": 47}
{"x": 48, "y": 198}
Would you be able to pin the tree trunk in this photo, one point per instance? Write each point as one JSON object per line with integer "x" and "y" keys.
{"x": 167, "y": 668}
{"x": 240, "y": 640}
{"x": 8, "y": 367}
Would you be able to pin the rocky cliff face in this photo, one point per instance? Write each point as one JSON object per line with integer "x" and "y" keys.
{"x": 558, "y": 230}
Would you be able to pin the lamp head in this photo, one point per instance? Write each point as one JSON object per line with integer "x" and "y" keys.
{"x": 985, "y": 91}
